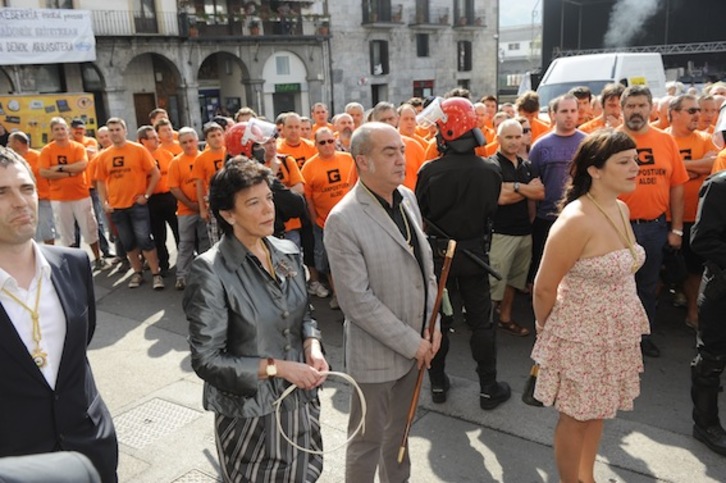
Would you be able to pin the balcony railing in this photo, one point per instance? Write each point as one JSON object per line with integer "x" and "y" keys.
{"x": 434, "y": 17}
{"x": 475, "y": 20}
{"x": 128, "y": 23}
{"x": 375, "y": 13}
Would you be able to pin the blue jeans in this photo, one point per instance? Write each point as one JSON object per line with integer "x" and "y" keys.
{"x": 652, "y": 237}
{"x": 134, "y": 227}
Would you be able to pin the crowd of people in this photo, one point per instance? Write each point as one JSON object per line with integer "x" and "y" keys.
{"x": 578, "y": 211}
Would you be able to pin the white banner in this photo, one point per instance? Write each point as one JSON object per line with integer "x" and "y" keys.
{"x": 46, "y": 36}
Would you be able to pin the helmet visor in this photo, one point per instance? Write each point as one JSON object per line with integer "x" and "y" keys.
{"x": 719, "y": 131}
{"x": 431, "y": 114}
{"x": 259, "y": 131}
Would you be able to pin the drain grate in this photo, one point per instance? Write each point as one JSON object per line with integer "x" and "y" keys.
{"x": 150, "y": 421}
{"x": 196, "y": 476}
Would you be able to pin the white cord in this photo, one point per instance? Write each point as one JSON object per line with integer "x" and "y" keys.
{"x": 359, "y": 428}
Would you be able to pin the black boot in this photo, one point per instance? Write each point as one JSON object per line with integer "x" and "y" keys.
{"x": 437, "y": 373}
{"x": 492, "y": 395}
{"x": 706, "y": 372}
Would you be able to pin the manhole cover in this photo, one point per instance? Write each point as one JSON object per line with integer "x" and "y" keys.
{"x": 150, "y": 421}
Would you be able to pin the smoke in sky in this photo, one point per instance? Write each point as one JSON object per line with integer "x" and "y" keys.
{"x": 627, "y": 19}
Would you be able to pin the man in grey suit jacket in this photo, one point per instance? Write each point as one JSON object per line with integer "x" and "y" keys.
{"x": 48, "y": 397}
{"x": 386, "y": 287}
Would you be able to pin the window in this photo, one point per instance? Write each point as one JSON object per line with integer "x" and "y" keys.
{"x": 145, "y": 16}
{"x": 282, "y": 65}
{"x": 463, "y": 49}
{"x": 464, "y": 83}
{"x": 423, "y": 88}
{"x": 59, "y": 4}
{"x": 464, "y": 12}
{"x": 422, "y": 11}
{"x": 214, "y": 10}
{"x": 379, "y": 57}
{"x": 422, "y": 45}
{"x": 513, "y": 46}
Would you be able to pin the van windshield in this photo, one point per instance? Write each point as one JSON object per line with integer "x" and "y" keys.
{"x": 548, "y": 92}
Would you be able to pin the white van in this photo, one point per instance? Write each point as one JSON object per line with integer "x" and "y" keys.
{"x": 597, "y": 70}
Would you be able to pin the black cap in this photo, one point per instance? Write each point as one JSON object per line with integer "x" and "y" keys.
{"x": 77, "y": 122}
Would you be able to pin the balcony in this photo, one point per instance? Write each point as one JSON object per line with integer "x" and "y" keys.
{"x": 379, "y": 13}
{"x": 471, "y": 20}
{"x": 172, "y": 24}
{"x": 129, "y": 23}
{"x": 430, "y": 18}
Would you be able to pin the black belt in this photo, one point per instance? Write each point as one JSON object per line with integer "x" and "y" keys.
{"x": 641, "y": 221}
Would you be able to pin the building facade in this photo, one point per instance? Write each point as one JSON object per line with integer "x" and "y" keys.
{"x": 198, "y": 58}
{"x": 520, "y": 52}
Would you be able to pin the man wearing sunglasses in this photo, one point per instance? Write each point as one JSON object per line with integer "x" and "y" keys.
{"x": 659, "y": 190}
{"x": 698, "y": 153}
{"x": 326, "y": 182}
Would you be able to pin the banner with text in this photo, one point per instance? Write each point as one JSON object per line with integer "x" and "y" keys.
{"x": 46, "y": 36}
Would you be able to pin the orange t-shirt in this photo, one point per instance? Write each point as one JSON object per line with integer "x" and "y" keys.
{"x": 539, "y": 128}
{"x": 163, "y": 158}
{"x": 593, "y": 125}
{"x": 720, "y": 163}
{"x": 289, "y": 175}
{"x": 432, "y": 151}
{"x": 124, "y": 171}
{"x": 692, "y": 147}
{"x": 42, "y": 185}
{"x": 661, "y": 168}
{"x": 424, "y": 132}
{"x": 302, "y": 152}
{"x": 180, "y": 176}
{"x": 174, "y": 148}
{"x": 415, "y": 158}
{"x": 74, "y": 187}
{"x": 207, "y": 163}
{"x": 326, "y": 182}
{"x": 488, "y": 150}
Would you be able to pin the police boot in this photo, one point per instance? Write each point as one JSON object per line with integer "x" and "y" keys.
{"x": 706, "y": 372}
{"x": 437, "y": 373}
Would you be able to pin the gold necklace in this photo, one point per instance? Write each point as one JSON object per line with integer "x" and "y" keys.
{"x": 409, "y": 244}
{"x": 39, "y": 357}
{"x": 621, "y": 233}
{"x": 268, "y": 256}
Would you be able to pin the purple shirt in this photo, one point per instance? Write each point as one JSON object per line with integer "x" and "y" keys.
{"x": 551, "y": 156}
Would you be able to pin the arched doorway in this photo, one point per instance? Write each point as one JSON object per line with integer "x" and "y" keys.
{"x": 222, "y": 90}
{"x": 6, "y": 83}
{"x": 153, "y": 81}
{"x": 93, "y": 83}
{"x": 286, "y": 86}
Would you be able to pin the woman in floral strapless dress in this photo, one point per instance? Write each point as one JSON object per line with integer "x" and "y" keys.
{"x": 589, "y": 317}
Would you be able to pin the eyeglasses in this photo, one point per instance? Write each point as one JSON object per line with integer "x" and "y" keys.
{"x": 326, "y": 141}
{"x": 526, "y": 130}
{"x": 691, "y": 110}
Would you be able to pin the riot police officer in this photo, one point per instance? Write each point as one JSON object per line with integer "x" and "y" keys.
{"x": 458, "y": 195}
{"x": 708, "y": 239}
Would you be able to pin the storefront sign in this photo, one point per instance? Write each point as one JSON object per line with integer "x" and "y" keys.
{"x": 46, "y": 36}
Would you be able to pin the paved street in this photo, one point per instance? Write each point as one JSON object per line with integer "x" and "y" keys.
{"x": 141, "y": 361}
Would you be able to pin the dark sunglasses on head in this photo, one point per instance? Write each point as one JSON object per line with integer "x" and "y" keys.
{"x": 326, "y": 141}
{"x": 526, "y": 130}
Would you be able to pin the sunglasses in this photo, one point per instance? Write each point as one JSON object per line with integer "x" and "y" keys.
{"x": 326, "y": 141}
{"x": 691, "y": 110}
{"x": 526, "y": 130}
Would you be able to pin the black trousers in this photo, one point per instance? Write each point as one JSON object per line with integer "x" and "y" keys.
{"x": 540, "y": 232}
{"x": 474, "y": 291}
{"x": 162, "y": 211}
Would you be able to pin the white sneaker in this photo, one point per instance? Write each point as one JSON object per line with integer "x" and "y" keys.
{"x": 318, "y": 289}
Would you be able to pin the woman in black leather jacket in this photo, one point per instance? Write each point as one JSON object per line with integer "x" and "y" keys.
{"x": 252, "y": 335}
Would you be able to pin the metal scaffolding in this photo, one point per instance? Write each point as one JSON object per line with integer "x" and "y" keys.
{"x": 670, "y": 49}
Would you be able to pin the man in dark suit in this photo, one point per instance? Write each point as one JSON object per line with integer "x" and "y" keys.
{"x": 48, "y": 397}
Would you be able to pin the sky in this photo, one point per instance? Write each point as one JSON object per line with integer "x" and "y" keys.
{"x": 518, "y": 12}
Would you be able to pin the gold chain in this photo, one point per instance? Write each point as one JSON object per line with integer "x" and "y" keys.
{"x": 403, "y": 215}
{"x": 39, "y": 357}
{"x": 268, "y": 255}
{"x": 621, "y": 233}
